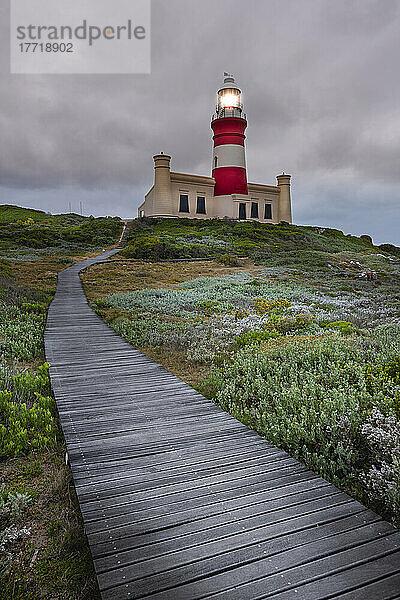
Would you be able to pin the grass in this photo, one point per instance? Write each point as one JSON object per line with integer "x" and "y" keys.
{"x": 119, "y": 276}
{"x": 54, "y": 561}
{"x": 176, "y": 362}
{"x": 10, "y": 214}
{"x": 42, "y": 273}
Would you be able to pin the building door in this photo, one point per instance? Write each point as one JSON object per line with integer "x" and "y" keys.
{"x": 242, "y": 211}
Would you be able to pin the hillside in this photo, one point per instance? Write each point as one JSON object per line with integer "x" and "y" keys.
{"x": 293, "y": 330}
{"x": 279, "y": 245}
{"x": 10, "y": 214}
{"x": 27, "y": 233}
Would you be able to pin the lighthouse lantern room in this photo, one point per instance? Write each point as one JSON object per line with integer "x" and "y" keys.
{"x": 229, "y": 124}
{"x": 227, "y": 194}
{"x": 229, "y": 99}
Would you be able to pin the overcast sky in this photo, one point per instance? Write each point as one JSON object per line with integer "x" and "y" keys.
{"x": 321, "y": 90}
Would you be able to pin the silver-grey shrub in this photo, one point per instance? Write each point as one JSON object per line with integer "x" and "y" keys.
{"x": 311, "y": 398}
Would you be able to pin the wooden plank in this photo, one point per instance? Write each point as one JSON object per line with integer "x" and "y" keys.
{"x": 213, "y": 501}
{"x": 176, "y": 493}
{"x": 234, "y": 509}
{"x": 149, "y": 482}
{"x": 387, "y": 588}
{"x": 349, "y": 576}
{"x": 201, "y": 546}
{"x": 235, "y": 567}
{"x": 248, "y": 541}
{"x": 198, "y": 532}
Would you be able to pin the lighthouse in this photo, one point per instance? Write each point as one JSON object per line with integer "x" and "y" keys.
{"x": 229, "y": 125}
{"x": 227, "y": 193}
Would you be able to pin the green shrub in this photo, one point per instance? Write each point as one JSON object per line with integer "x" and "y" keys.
{"x": 228, "y": 260}
{"x": 367, "y": 238}
{"x": 33, "y": 470}
{"x": 153, "y": 248}
{"x": 24, "y": 229}
{"x": 5, "y": 269}
{"x": 21, "y": 332}
{"x": 390, "y": 249}
{"x": 285, "y": 245}
{"x": 269, "y": 307}
{"x": 293, "y": 322}
{"x": 213, "y": 306}
{"x": 391, "y": 370}
{"x": 23, "y": 429}
{"x": 64, "y": 260}
{"x": 12, "y": 214}
{"x": 255, "y": 337}
{"x": 36, "y": 308}
{"x": 384, "y": 379}
{"x": 26, "y": 414}
{"x": 344, "y": 327}
{"x": 319, "y": 399}
{"x": 308, "y": 260}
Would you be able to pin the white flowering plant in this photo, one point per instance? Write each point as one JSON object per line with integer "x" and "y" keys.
{"x": 312, "y": 363}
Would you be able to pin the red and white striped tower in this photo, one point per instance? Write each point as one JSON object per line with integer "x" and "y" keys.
{"x": 229, "y": 124}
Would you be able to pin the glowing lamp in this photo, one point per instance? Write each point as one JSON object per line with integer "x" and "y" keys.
{"x": 229, "y": 98}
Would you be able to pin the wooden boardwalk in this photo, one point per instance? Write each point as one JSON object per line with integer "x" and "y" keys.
{"x": 180, "y": 501}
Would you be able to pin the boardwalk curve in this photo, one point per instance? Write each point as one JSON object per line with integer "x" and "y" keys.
{"x": 180, "y": 501}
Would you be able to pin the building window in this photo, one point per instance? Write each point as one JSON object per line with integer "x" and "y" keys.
{"x": 242, "y": 211}
{"x": 215, "y": 162}
{"x": 142, "y": 213}
{"x": 268, "y": 211}
{"x": 254, "y": 210}
{"x": 184, "y": 203}
{"x": 201, "y": 205}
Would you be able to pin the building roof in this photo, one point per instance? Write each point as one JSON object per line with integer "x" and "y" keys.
{"x": 229, "y": 83}
{"x": 187, "y": 177}
{"x": 262, "y": 187}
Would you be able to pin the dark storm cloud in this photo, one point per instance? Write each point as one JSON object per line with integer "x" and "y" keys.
{"x": 321, "y": 93}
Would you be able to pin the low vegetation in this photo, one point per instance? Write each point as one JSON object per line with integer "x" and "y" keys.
{"x": 43, "y": 549}
{"x": 283, "y": 244}
{"x": 42, "y": 545}
{"x": 29, "y": 235}
{"x": 303, "y": 346}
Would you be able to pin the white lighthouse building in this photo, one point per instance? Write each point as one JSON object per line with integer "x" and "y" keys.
{"x": 227, "y": 193}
